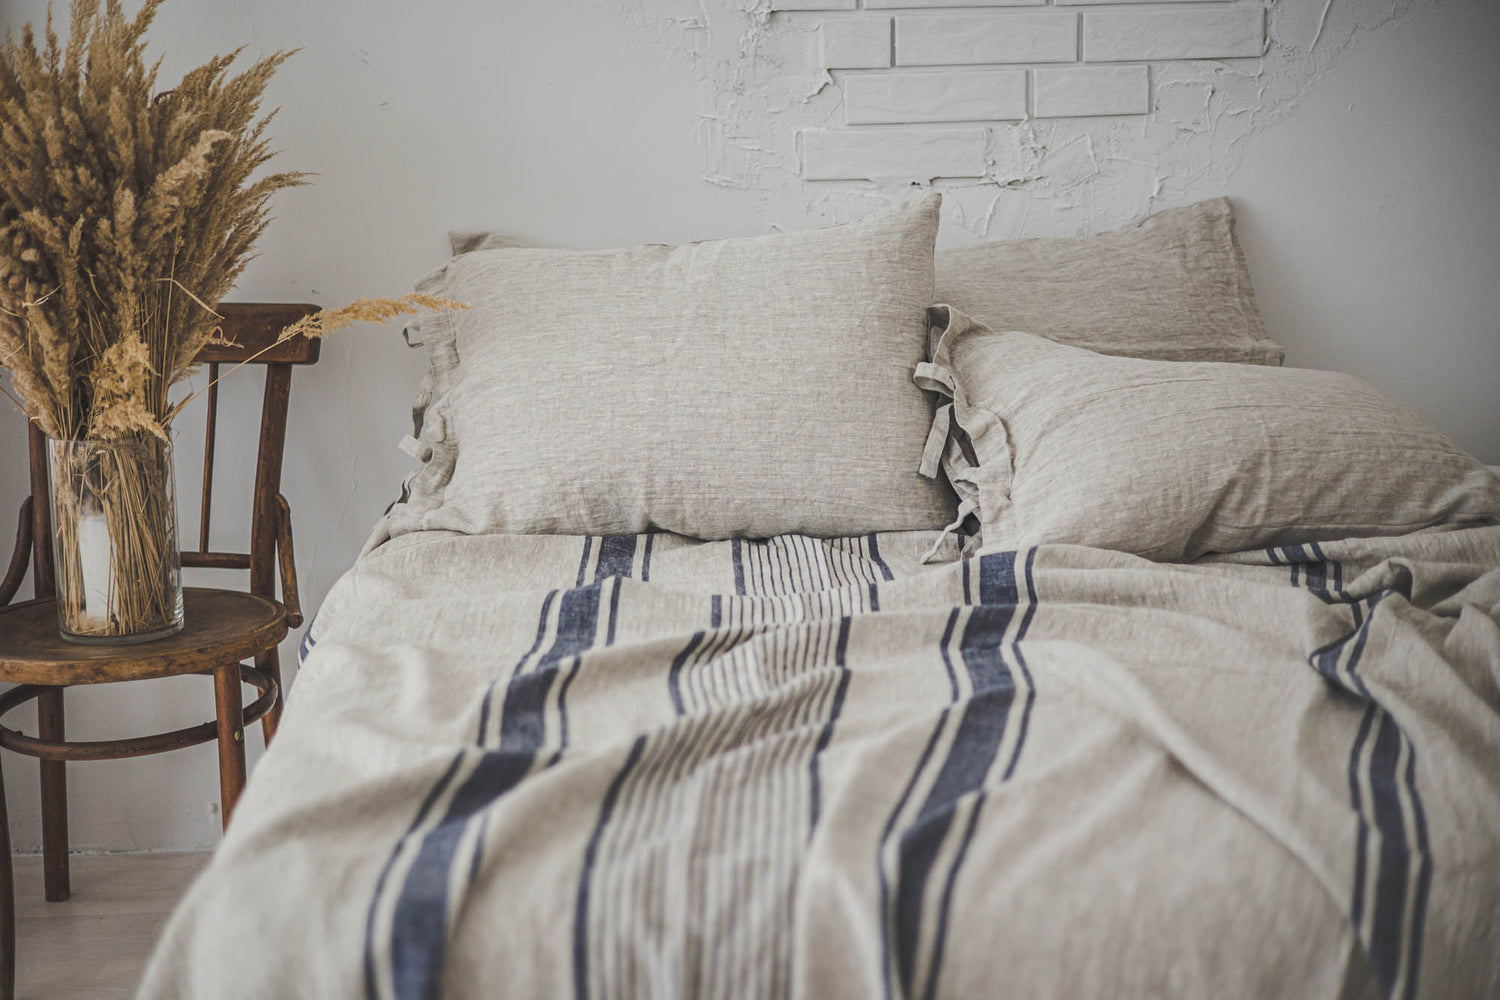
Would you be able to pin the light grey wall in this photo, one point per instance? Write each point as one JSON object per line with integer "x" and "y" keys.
{"x": 1364, "y": 202}
{"x": 1372, "y": 221}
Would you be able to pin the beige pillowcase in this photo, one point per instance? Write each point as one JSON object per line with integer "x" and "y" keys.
{"x": 1174, "y": 287}
{"x": 743, "y": 387}
{"x": 1172, "y": 460}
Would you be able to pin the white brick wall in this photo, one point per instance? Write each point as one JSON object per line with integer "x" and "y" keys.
{"x": 892, "y": 154}
{"x": 812, "y": 4}
{"x": 855, "y": 43}
{"x": 946, "y": 39}
{"x": 893, "y": 4}
{"x": 1081, "y": 91}
{"x": 1170, "y": 34}
{"x": 950, "y": 96}
{"x": 904, "y": 65}
{"x": 1112, "y": 3}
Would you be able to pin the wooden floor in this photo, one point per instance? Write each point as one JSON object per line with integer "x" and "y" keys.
{"x": 94, "y": 946}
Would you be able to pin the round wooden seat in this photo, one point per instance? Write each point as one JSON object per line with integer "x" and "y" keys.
{"x": 222, "y": 626}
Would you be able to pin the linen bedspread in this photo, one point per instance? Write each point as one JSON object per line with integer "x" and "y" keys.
{"x": 643, "y": 766}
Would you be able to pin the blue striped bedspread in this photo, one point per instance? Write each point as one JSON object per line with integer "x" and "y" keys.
{"x": 644, "y": 766}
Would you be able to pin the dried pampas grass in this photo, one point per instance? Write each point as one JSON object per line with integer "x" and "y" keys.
{"x": 325, "y": 321}
{"x": 123, "y": 209}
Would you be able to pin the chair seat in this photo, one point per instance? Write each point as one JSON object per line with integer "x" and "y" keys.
{"x": 221, "y": 626}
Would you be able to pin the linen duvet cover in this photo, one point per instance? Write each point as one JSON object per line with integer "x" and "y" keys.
{"x": 643, "y": 766}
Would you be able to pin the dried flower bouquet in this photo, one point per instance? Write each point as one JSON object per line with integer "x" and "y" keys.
{"x": 123, "y": 211}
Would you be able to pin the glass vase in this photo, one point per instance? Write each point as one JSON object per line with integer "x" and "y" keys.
{"x": 114, "y": 539}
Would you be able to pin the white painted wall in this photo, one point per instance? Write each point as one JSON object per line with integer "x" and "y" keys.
{"x": 1361, "y": 168}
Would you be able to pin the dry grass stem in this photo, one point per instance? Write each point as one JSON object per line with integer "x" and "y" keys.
{"x": 326, "y": 321}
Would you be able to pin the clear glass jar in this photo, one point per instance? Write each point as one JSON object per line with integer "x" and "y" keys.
{"x": 114, "y": 539}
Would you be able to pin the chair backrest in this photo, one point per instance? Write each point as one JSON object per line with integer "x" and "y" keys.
{"x": 249, "y": 327}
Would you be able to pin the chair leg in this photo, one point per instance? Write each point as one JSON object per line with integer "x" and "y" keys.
{"x": 270, "y": 662}
{"x": 7, "y": 906}
{"x": 231, "y": 720}
{"x": 49, "y": 714}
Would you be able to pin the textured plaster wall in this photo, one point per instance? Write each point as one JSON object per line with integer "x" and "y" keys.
{"x": 1360, "y": 149}
{"x": 762, "y": 89}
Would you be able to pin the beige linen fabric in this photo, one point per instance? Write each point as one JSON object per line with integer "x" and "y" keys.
{"x": 741, "y": 387}
{"x": 546, "y": 766}
{"x": 1174, "y": 287}
{"x": 1172, "y": 460}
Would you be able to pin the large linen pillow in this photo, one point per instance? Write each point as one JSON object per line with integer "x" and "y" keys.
{"x": 1174, "y": 287}
{"x": 744, "y": 387}
{"x": 1170, "y": 460}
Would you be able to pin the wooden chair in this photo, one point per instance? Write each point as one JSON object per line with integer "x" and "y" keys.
{"x": 223, "y": 627}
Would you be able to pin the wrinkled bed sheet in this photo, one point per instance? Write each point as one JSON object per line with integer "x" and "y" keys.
{"x": 647, "y": 766}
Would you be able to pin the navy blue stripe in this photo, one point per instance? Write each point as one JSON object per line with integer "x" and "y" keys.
{"x": 614, "y": 561}
{"x": 874, "y": 597}
{"x": 590, "y": 858}
{"x": 372, "y": 991}
{"x": 674, "y": 675}
{"x": 945, "y": 906}
{"x": 489, "y": 695}
{"x": 1394, "y": 860}
{"x": 614, "y": 608}
{"x": 1004, "y": 588}
{"x": 737, "y": 555}
{"x": 840, "y": 651}
{"x": 616, "y": 556}
{"x": 890, "y": 824}
{"x": 583, "y": 564}
{"x": 1015, "y": 756}
{"x": 885, "y": 571}
{"x": 646, "y": 558}
{"x": 1337, "y": 567}
{"x": 997, "y": 581}
{"x": 943, "y": 648}
{"x": 1389, "y": 938}
{"x": 1424, "y": 878}
{"x": 1393, "y": 867}
{"x": 976, "y": 744}
{"x": 419, "y": 926}
{"x": 1362, "y": 837}
{"x": 308, "y": 642}
{"x": 715, "y": 611}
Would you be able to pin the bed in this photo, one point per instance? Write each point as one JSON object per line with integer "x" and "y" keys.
{"x": 1009, "y": 755}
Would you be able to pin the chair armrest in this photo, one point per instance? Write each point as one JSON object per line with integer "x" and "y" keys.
{"x": 20, "y": 556}
{"x": 287, "y": 562}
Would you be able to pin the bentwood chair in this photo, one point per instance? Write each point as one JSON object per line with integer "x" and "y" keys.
{"x": 223, "y": 627}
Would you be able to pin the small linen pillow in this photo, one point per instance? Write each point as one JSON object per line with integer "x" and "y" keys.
{"x": 1174, "y": 287}
{"x": 1171, "y": 460}
{"x": 744, "y": 387}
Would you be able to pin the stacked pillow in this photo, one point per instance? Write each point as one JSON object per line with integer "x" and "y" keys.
{"x": 1174, "y": 287}
{"x": 1046, "y": 442}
